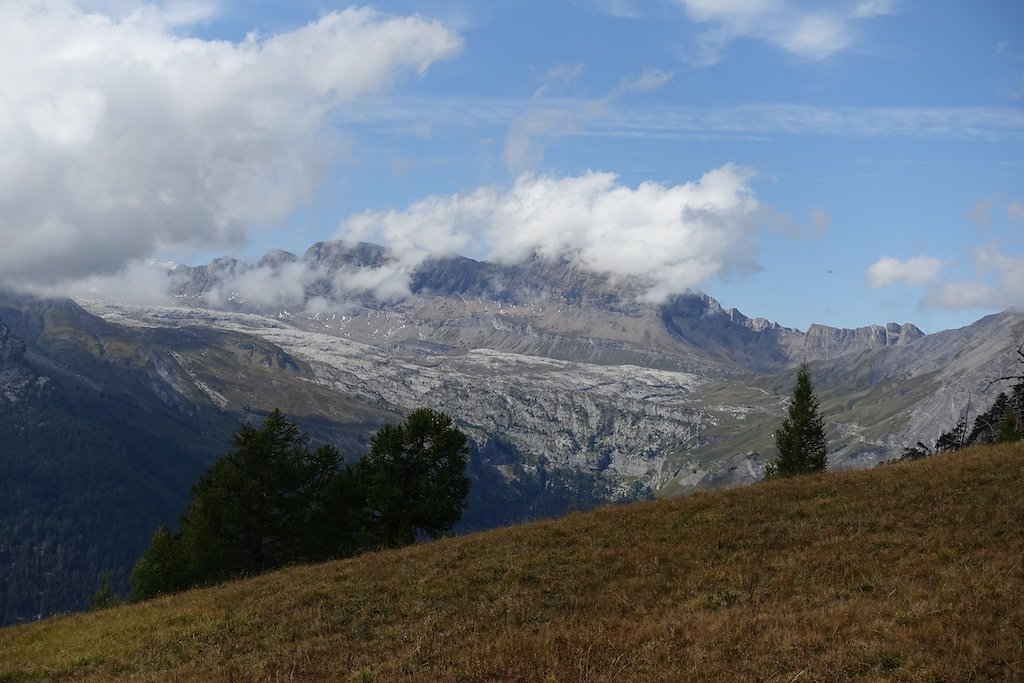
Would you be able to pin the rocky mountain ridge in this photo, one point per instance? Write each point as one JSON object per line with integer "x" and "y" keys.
{"x": 542, "y": 308}
{"x": 571, "y": 366}
{"x": 573, "y": 390}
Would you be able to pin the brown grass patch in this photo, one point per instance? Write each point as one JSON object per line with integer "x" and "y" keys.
{"x": 910, "y": 572}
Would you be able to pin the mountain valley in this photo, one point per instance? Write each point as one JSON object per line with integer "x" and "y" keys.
{"x": 575, "y": 390}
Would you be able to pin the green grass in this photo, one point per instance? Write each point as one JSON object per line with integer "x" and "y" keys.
{"x": 908, "y": 572}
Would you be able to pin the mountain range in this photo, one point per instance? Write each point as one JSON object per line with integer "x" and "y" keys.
{"x": 574, "y": 388}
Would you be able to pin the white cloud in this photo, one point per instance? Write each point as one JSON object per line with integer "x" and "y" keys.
{"x": 621, "y": 9}
{"x": 669, "y": 237}
{"x": 980, "y": 213}
{"x": 563, "y": 74}
{"x": 815, "y": 36}
{"x": 529, "y": 133}
{"x": 649, "y": 79}
{"x": 525, "y": 142}
{"x": 996, "y": 282}
{"x": 869, "y": 9}
{"x": 1007, "y": 272}
{"x": 918, "y": 271}
{"x": 819, "y": 221}
{"x": 795, "y": 27}
{"x": 119, "y": 135}
{"x": 961, "y": 295}
{"x": 1015, "y": 212}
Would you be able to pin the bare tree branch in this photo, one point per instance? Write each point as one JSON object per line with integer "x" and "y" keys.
{"x": 1010, "y": 378}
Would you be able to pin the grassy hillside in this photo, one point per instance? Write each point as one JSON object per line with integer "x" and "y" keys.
{"x": 908, "y": 572}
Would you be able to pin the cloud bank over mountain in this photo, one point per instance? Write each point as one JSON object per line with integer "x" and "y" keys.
{"x": 672, "y": 237}
{"x": 122, "y": 135}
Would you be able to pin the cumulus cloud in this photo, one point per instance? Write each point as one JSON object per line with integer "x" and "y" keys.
{"x": 1007, "y": 273}
{"x": 796, "y": 28}
{"x": 996, "y": 282}
{"x": 121, "y": 135}
{"x": 670, "y": 238}
{"x": 917, "y": 271}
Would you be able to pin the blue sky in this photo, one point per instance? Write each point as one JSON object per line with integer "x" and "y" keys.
{"x": 837, "y": 162}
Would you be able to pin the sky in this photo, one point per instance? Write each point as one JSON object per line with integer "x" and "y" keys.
{"x": 848, "y": 162}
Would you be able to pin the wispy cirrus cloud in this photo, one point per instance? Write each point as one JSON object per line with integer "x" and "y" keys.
{"x": 529, "y": 132}
{"x": 625, "y": 119}
{"x": 620, "y": 9}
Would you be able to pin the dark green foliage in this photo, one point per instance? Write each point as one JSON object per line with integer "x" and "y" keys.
{"x": 414, "y": 478}
{"x": 250, "y": 511}
{"x": 273, "y": 501}
{"x": 1001, "y": 423}
{"x": 801, "y": 440}
{"x": 1008, "y": 429}
{"x": 160, "y": 570}
{"x": 104, "y": 597}
{"x": 79, "y": 494}
{"x": 915, "y": 452}
{"x": 954, "y": 439}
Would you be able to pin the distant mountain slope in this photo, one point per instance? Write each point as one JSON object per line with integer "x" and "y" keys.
{"x": 907, "y": 572}
{"x": 574, "y": 370}
{"x": 84, "y": 477}
{"x": 104, "y": 428}
{"x": 543, "y": 308}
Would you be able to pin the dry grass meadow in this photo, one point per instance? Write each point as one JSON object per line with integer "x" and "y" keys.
{"x": 908, "y": 572}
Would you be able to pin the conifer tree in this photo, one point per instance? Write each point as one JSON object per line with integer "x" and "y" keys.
{"x": 801, "y": 440}
{"x": 273, "y": 500}
{"x": 1008, "y": 429}
{"x": 415, "y": 479}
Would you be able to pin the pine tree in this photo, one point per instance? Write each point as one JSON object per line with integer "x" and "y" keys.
{"x": 1008, "y": 429}
{"x": 801, "y": 440}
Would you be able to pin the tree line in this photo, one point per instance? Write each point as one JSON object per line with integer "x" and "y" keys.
{"x": 273, "y": 500}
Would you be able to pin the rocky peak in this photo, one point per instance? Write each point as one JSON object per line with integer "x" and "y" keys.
{"x": 337, "y": 254}
{"x": 824, "y": 342}
{"x": 276, "y": 258}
